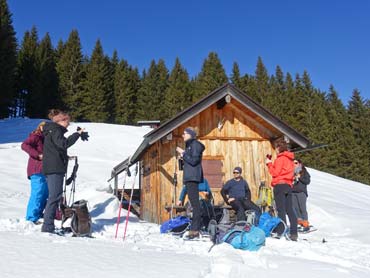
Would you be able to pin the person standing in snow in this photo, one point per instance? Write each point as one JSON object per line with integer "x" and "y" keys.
{"x": 33, "y": 145}
{"x": 55, "y": 161}
{"x": 282, "y": 172}
{"x": 193, "y": 175}
{"x": 301, "y": 179}
{"x": 237, "y": 194}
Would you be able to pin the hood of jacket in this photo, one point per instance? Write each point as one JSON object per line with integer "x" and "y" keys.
{"x": 50, "y": 127}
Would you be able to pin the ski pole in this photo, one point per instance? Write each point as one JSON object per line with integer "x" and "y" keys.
{"x": 174, "y": 186}
{"x": 129, "y": 204}
{"x": 120, "y": 204}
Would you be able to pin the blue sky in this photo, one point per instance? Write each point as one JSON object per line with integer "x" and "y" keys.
{"x": 330, "y": 39}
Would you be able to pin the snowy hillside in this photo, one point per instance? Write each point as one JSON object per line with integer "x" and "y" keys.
{"x": 337, "y": 207}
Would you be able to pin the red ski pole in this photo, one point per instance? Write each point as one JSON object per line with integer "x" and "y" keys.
{"x": 129, "y": 205}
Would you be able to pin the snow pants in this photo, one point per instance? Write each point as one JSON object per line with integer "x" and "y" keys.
{"x": 55, "y": 185}
{"x": 284, "y": 205}
{"x": 299, "y": 205}
{"x": 38, "y": 197}
{"x": 193, "y": 194}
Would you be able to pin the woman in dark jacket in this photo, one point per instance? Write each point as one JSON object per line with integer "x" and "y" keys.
{"x": 55, "y": 161}
{"x": 301, "y": 179}
{"x": 192, "y": 175}
{"x": 33, "y": 145}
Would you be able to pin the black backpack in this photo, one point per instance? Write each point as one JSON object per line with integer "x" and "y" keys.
{"x": 80, "y": 218}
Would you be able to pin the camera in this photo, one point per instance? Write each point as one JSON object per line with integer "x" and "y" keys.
{"x": 181, "y": 164}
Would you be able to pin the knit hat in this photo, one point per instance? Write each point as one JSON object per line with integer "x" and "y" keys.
{"x": 238, "y": 169}
{"x": 191, "y": 132}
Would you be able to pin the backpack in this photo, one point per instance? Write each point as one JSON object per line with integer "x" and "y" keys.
{"x": 269, "y": 223}
{"x": 240, "y": 235}
{"x": 177, "y": 225}
{"x": 265, "y": 197}
{"x": 80, "y": 218}
{"x": 244, "y": 236}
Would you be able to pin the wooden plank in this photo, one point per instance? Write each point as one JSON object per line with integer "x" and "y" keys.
{"x": 241, "y": 138}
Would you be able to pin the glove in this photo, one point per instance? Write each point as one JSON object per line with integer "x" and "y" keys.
{"x": 84, "y": 135}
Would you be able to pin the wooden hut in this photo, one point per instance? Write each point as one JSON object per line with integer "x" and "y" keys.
{"x": 235, "y": 130}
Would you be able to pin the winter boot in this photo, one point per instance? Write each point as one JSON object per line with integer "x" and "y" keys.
{"x": 300, "y": 221}
{"x": 193, "y": 234}
{"x": 293, "y": 237}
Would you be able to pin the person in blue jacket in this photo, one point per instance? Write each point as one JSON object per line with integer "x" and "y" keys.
{"x": 192, "y": 175}
{"x": 204, "y": 192}
{"x": 237, "y": 194}
{"x": 205, "y": 199}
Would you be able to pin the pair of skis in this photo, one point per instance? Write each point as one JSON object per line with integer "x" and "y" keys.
{"x": 127, "y": 173}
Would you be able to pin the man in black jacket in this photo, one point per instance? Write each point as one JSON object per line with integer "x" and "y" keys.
{"x": 237, "y": 194}
{"x": 192, "y": 175}
{"x": 55, "y": 162}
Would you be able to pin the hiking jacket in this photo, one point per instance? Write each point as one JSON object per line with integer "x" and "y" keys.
{"x": 282, "y": 170}
{"x": 202, "y": 187}
{"x": 192, "y": 157}
{"x": 236, "y": 189}
{"x": 55, "y": 158}
{"x": 33, "y": 145}
{"x": 300, "y": 184}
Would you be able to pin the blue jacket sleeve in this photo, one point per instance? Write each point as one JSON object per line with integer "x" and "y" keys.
{"x": 208, "y": 189}
{"x": 183, "y": 193}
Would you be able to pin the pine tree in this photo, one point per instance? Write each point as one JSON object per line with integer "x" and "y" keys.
{"x": 27, "y": 75}
{"x": 8, "y": 60}
{"x": 71, "y": 74}
{"x": 59, "y": 51}
{"x": 177, "y": 96}
{"x": 152, "y": 92}
{"x": 96, "y": 91}
{"x": 235, "y": 76}
{"x": 341, "y": 141}
{"x": 46, "y": 86}
{"x": 210, "y": 78}
{"x": 360, "y": 125}
{"x": 126, "y": 88}
{"x": 263, "y": 95}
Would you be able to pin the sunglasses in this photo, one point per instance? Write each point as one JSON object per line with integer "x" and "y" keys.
{"x": 236, "y": 173}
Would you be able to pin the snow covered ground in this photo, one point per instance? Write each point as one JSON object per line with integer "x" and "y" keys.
{"x": 339, "y": 208}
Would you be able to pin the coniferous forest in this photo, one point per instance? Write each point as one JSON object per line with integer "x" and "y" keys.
{"x": 35, "y": 76}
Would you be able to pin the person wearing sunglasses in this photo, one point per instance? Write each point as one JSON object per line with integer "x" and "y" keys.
{"x": 192, "y": 175}
{"x": 237, "y": 194}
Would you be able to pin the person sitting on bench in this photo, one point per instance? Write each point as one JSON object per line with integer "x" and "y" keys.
{"x": 205, "y": 200}
{"x": 205, "y": 192}
{"x": 237, "y": 194}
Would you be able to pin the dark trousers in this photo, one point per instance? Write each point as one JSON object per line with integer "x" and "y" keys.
{"x": 243, "y": 204}
{"x": 299, "y": 205}
{"x": 55, "y": 186}
{"x": 284, "y": 205}
{"x": 193, "y": 195}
